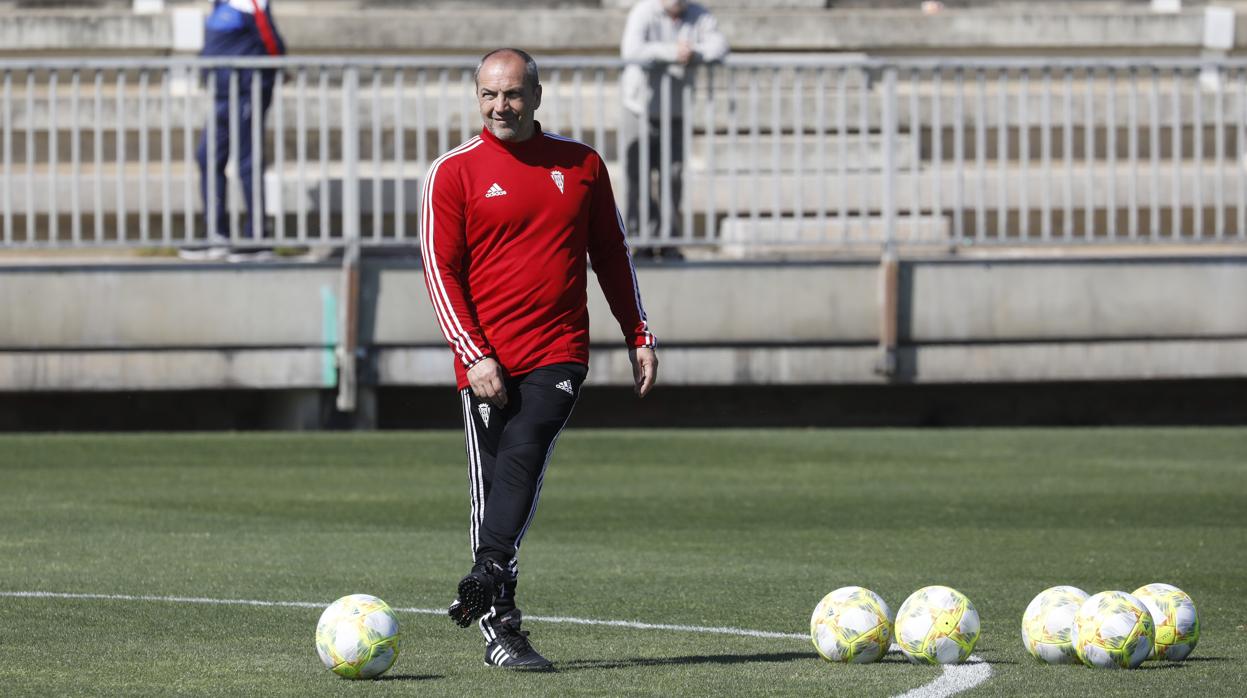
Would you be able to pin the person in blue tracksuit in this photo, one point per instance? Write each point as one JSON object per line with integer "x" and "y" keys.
{"x": 237, "y": 28}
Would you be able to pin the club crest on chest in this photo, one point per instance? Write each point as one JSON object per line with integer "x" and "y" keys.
{"x": 557, "y": 176}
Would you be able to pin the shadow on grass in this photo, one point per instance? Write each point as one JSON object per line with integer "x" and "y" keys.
{"x": 409, "y": 677}
{"x": 709, "y": 659}
{"x": 1154, "y": 665}
{"x": 897, "y": 657}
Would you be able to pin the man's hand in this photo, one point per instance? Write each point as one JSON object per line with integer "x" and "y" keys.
{"x": 644, "y": 369}
{"x": 683, "y": 52}
{"x": 487, "y": 382}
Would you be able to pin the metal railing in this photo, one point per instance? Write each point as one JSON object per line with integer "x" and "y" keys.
{"x": 784, "y": 151}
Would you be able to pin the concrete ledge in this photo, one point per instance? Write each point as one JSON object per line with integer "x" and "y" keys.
{"x": 167, "y": 305}
{"x": 1021, "y": 300}
{"x": 174, "y": 305}
{"x": 172, "y": 326}
{"x": 81, "y": 32}
{"x": 597, "y": 31}
{"x": 1078, "y": 361}
{"x": 997, "y": 363}
{"x": 205, "y": 369}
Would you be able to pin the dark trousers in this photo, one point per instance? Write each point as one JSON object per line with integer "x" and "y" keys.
{"x": 250, "y": 155}
{"x": 508, "y": 451}
{"x": 652, "y": 179}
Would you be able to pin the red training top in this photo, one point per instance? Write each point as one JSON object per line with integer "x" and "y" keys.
{"x": 504, "y": 233}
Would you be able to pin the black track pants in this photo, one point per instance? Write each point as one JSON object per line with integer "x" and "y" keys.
{"x": 508, "y": 451}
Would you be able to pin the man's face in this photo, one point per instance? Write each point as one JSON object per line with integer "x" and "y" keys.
{"x": 675, "y": 8}
{"x": 507, "y": 104}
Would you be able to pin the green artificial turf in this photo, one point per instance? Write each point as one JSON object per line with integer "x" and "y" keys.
{"x": 747, "y": 529}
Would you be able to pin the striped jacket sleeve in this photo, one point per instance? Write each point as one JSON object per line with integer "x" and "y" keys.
{"x": 442, "y": 249}
{"x": 612, "y": 263}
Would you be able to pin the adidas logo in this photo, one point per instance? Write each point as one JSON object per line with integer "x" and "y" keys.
{"x": 566, "y": 386}
{"x": 483, "y": 409}
{"x": 495, "y": 190}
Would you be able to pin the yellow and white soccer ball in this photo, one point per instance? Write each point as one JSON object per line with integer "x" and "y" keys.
{"x": 1113, "y": 630}
{"x": 937, "y": 625}
{"x": 1048, "y": 621}
{"x": 851, "y": 625}
{"x": 1177, "y": 623}
{"x": 357, "y": 637}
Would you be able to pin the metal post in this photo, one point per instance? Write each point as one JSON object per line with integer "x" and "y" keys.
{"x": 119, "y": 185}
{"x": 144, "y": 232}
{"x": 279, "y": 156}
{"x": 377, "y": 202}
{"x": 400, "y": 157}
{"x": 348, "y": 309}
{"x": 8, "y": 157}
{"x": 231, "y": 170}
{"x": 889, "y": 158}
{"x": 30, "y": 156}
{"x": 257, "y": 157}
{"x": 710, "y": 126}
{"x": 75, "y": 150}
{"x": 98, "y": 152}
{"x": 53, "y": 134}
{"x": 300, "y": 154}
{"x": 322, "y": 150}
{"x": 889, "y": 307}
{"x": 166, "y": 162}
{"x": 664, "y": 158}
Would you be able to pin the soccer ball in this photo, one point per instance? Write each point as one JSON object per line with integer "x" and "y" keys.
{"x": 851, "y": 625}
{"x": 1177, "y": 624}
{"x": 1113, "y": 630}
{"x": 1047, "y": 622}
{"x": 937, "y": 625}
{"x": 357, "y": 637}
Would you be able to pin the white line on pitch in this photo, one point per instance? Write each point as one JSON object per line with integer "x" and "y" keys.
{"x": 402, "y": 609}
{"x": 955, "y": 679}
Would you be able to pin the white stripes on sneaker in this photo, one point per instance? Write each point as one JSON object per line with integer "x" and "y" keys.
{"x": 499, "y": 655}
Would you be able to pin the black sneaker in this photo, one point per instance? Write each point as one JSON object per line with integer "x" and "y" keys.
{"x": 477, "y": 592}
{"x": 507, "y": 646}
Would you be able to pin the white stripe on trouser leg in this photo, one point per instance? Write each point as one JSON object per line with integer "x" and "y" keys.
{"x": 469, "y": 442}
{"x": 532, "y": 512}
{"x": 475, "y": 480}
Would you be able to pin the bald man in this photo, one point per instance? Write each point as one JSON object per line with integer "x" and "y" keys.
{"x": 510, "y": 219}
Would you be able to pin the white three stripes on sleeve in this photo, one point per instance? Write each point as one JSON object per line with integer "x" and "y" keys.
{"x": 451, "y": 327}
{"x": 636, "y": 287}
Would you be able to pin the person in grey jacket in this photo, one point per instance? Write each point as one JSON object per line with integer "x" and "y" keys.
{"x": 668, "y": 37}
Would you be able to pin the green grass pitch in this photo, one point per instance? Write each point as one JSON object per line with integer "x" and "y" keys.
{"x": 747, "y": 529}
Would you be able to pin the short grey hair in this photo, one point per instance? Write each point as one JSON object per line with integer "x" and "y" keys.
{"x": 531, "y": 79}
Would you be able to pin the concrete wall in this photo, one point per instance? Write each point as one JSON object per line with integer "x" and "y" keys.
{"x": 172, "y": 326}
